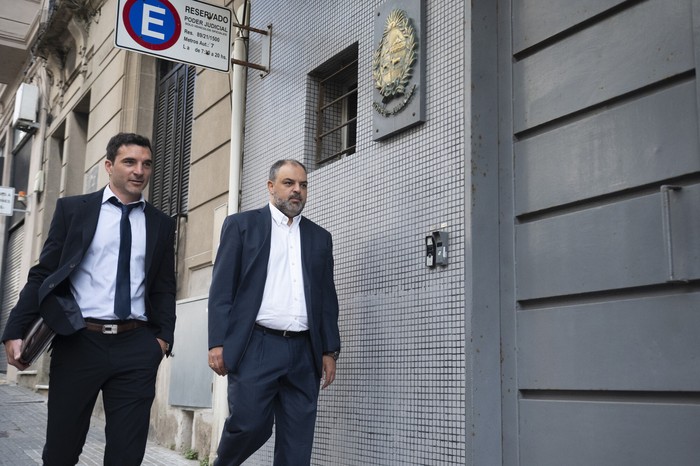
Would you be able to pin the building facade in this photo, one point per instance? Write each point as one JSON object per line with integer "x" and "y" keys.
{"x": 551, "y": 148}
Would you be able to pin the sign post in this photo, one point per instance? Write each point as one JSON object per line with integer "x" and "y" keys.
{"x": 187, "y": 31}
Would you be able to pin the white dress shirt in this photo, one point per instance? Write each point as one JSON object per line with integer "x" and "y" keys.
{"x": 283, "y": 305}
{"x": 93, "y": 280}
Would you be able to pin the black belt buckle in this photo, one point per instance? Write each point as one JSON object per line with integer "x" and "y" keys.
{"x": 281, "y": 333}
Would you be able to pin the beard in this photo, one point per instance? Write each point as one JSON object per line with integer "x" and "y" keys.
{"x": 287, "y": 207}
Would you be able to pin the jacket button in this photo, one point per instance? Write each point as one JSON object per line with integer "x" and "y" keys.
{"x": 51, "y": 285}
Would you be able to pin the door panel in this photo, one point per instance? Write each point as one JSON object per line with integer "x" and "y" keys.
{"x": 618, "y": 55}
{"x": 612, "y": 346}
{"x": 600, "y": 232}
{"x": 609, "y": 433}
{"x": 537, "y": 20}
{"x": 613, "y": 246}
{"x": 646, "y": 140}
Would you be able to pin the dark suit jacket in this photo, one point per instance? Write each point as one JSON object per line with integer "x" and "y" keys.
{"x": 73, "y": 226}
{"x": 239, "y": 278}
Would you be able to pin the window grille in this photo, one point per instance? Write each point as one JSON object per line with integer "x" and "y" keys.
{"x": 336, "y": 109}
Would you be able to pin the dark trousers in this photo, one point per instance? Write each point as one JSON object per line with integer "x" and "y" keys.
{"x": 276, "y": 383}
{"x": 124, "y": 368}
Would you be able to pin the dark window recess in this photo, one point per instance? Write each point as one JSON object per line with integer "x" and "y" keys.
{"x": 336, "y": 109}
{"x": 19, "y": 174}
{"x": 172, "y": 138}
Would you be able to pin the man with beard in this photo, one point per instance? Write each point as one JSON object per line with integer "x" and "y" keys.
{"x": 273, "y": 322}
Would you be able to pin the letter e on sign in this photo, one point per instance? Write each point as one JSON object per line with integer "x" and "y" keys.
{"x": 153, "y": 24}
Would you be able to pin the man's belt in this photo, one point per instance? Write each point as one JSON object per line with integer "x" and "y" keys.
{"x": 282, "y": 333}
{"x": 115, "y": 328}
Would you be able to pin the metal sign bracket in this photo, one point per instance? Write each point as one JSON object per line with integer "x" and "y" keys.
{"x": 264, "y": 66}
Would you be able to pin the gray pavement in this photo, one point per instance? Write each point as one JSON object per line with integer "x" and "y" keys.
{"x": 22, "y": 430}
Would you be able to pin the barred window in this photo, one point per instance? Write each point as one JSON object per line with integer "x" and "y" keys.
{"x": 336, "y": 107}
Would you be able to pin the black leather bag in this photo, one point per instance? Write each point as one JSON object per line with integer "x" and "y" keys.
{"x": 35, "y": 342}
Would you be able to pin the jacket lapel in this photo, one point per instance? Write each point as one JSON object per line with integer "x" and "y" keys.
{"x": 261, "y": 256}
{"x": 152, "y": 226}
{"x": 91, "y": 212}
{"x": 306, "y": 248}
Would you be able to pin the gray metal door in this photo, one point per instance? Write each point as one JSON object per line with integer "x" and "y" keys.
{"x": 602, "y": 323}
{"x": 11, "y": 282}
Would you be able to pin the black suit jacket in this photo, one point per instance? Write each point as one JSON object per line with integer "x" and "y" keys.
{"x": 47, "y": 291}
{"x": 238, "y": 282}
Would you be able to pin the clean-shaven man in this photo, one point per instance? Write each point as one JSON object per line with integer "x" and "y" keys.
{"x": 105, "y": 282}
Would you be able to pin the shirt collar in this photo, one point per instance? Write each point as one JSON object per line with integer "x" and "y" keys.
{"x": 280, "y": 219}
{"x": 109, "y": 193}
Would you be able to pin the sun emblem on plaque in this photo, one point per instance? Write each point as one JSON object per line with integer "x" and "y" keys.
{"x": 392, "y": 63}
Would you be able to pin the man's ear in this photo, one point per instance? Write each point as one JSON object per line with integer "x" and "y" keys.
{"x": 108, "y": 166}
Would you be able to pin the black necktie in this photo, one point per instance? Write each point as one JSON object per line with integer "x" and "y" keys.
{"x": 122, "y": 293}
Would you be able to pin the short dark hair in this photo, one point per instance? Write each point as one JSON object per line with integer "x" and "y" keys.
{"x": 126, "y": 139}
{"x": 277, "y": 165}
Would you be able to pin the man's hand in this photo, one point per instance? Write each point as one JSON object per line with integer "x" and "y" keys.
{"x": 13, "y": 348}
{"x": 328, "y": 371}
{"x": 216, "y": 360}
{"x": 163, "y": 345}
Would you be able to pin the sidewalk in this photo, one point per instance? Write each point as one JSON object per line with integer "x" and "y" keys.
{"x": 22, "y": 430}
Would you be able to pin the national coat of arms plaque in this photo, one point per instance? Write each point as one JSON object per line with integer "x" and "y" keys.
{"x": 398, "y": 68}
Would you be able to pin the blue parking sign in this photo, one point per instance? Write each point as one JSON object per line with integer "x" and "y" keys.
{"x": 154, "y": 24}
{"x": 186, "y": 31}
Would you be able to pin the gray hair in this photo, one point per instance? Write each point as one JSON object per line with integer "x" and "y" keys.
{"x": 277, "y": 165}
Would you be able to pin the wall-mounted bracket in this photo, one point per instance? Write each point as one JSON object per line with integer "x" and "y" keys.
{"x": 266, "y": 50}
